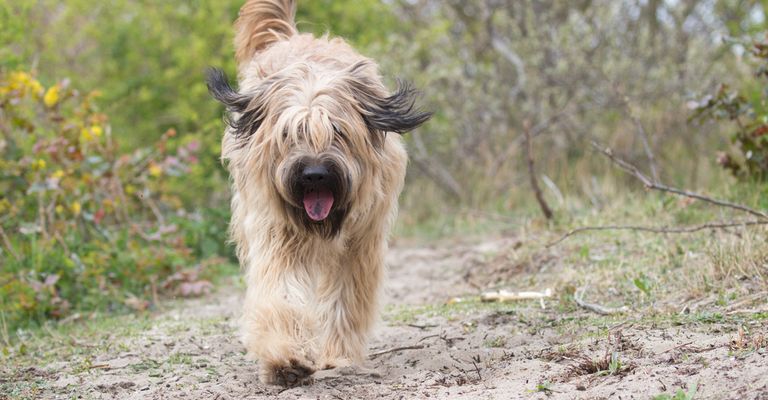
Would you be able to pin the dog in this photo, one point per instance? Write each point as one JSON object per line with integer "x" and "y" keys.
{"x": 314, "y": 150}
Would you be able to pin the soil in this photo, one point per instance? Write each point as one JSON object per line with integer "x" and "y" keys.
{"x": 434, "y": 342}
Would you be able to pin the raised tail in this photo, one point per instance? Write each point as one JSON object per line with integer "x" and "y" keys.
{"x": 261, "y": 23}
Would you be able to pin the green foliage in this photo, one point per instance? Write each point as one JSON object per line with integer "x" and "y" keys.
{"x": 91, "y": 226}
{"x": 679, "y": 395}
{"x": 750, "y": 115}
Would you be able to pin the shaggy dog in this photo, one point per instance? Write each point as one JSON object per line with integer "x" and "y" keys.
{"x": 316, "y": 171}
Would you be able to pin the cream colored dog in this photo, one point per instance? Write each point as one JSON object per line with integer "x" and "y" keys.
{"x": 316, "y": 172}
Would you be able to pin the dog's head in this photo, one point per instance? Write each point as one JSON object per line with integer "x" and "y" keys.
{"x": 313, "y": 135}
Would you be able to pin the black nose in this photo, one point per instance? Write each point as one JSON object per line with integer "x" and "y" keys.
{"x": 314, "y": 175}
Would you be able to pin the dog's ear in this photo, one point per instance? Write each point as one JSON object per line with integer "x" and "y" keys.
{"x": 393, "y": 113}
{"x": 250, "y": 113}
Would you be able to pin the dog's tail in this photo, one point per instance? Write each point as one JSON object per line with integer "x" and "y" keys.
{"x": 261, "y": 23}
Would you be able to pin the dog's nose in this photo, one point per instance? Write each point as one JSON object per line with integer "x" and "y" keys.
{"x": 314, "y": 174}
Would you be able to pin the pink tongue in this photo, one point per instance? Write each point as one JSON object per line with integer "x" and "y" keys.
{"x": 318, "y": 203}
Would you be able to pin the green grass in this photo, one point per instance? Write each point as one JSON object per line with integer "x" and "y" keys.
{"x": 681, "y": 394}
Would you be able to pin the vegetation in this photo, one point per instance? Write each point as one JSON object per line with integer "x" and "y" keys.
{"x": 112, "y": 192}
{"x": 85, "y": 225}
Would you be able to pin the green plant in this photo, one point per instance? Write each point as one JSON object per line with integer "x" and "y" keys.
{"x": 750, "y": 115}
{"x": 83, "y": 224}
{"x": 679, "y": 395}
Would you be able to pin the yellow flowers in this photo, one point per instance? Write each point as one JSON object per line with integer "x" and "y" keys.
{"x": 91, "y": 134}
{"x": 76, "y": 208}
{"x": 38, "y": 164}
{"x": 155, "y": 170}
{"x": 51, "y": 96}
{"x": 21, "y": 82}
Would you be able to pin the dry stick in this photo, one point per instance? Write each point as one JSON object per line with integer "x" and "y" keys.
{"x": 686, "y": 229}
{"x": 649, "y": 184}
{"x": 578, "y": 297}
{"x": 531, "y": 171}
{"x": 643, "y": 138}
{"x": 394, "y": 349}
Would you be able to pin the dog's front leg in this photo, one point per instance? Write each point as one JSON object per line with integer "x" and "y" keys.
{"x": 347, "y": 302}
{"x": 277, "y": 330}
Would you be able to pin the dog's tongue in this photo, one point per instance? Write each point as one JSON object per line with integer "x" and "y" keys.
{"x": 318, "y": 203}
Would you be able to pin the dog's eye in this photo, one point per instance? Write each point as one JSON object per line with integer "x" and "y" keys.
{"x": 339, "y": 134}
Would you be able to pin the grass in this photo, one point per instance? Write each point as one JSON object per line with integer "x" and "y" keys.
{"x": 681, "y": 394}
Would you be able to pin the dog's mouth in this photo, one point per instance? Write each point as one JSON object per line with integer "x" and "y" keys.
{"x": 318, "y": 202}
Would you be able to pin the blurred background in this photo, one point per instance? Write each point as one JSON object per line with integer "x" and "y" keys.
{"x": 111, "y": 189}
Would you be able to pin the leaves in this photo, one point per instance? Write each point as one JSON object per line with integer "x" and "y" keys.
{"x": 88, "y": 219}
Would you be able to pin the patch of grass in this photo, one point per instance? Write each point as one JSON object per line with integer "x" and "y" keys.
{"x": 544, "y": 387}
{"x": 679, "y": 395}
{"x": 180, "y": 358}
{"x": 81, "y": 340}
{"x": 609, "y": 364}
{"x": 471, "y": 306}
{"x": 497, "y": 342}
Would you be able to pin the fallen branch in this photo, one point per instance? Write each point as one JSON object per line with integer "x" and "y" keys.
{"x": 655, "y": 185}
{"x": 663, "y": 229}
{"x": 394, "y": 349}
{"x": 505, "y": 295}
{"x": 578, "y": 297}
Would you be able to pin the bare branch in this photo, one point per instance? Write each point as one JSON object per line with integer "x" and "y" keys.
{"x": 663, "y": 229}
{"x": 644, "y": 139}
{"x": 652, "y": 184}
{"x": 545, "y": 209}
{"x": 436, "y": 172}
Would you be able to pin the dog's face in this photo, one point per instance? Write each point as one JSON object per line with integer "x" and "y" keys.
{"x": 314, "y": 137}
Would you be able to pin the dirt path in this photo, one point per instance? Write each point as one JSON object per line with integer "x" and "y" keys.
{"x": 461, "y": 350}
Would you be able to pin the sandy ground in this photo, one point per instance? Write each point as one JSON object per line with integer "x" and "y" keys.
{"x": 475, "y": 351}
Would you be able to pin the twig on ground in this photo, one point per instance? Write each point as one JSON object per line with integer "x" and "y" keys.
{"x": 475, "y": 361}
{"x": 578, "y": 297}
{"x": 545, "y": 209}
{"x": 650, "y": 184}
{"x": 662, "y": 229}
{"x": 422, "y": 327}
{"x": 394, "y": 349}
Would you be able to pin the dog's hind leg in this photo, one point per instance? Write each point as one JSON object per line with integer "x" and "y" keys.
{"x": 280, "y": 335}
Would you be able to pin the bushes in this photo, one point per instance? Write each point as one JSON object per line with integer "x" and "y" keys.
{"x": 84, "y": 225}
{"x": 749, "y": 113}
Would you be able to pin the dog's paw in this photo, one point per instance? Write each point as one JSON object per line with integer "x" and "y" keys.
{"x": 294, "y": 373}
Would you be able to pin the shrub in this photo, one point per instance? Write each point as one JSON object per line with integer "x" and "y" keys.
{"x": 84, "y": 225}
{"x": 750, "y": 115}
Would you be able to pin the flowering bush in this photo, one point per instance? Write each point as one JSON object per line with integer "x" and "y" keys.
{"x": 83, "y": 224}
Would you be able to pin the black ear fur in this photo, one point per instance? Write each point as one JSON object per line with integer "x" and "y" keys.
{"x": 251, "y": 115}
{"x": 396, "y": 113}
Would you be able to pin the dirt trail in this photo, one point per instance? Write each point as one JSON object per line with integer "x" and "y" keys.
{"x": 464, "y": 351}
